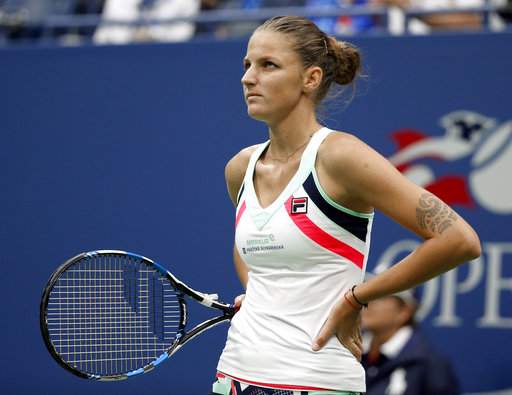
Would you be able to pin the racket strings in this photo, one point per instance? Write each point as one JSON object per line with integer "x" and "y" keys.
{"x": 109, "y": 315}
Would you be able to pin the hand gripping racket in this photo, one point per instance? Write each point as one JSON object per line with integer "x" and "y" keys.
{"x": 110, "y": 315}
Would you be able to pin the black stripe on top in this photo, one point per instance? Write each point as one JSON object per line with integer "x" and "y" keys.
{"x": 358, "y": 226}
{"x": 240, "y": 193}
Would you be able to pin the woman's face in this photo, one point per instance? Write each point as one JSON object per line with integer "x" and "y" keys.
{"x": 273, "y": 78}
{"x": 386, "y": 314}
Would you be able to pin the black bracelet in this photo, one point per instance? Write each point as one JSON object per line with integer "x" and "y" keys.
{"x": 355, "y": 298}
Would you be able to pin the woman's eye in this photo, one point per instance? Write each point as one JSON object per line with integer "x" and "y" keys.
{"x": 270, "y": 65}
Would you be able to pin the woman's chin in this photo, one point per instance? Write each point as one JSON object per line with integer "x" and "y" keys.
{"x": 257, "y": 115}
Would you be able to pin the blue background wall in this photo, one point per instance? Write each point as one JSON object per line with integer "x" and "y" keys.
{"x": 125, "y": 147}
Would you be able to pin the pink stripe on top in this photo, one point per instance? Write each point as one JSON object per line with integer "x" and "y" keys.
{"x": 240, "y": 213}
{"x": 319, "y": 236}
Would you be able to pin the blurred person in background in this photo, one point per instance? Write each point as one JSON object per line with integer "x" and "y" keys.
{"x": 245, "y": 28}
{"x": 137, "y": 10}
{"x": 23, "y": 19}
{"x": 418, "y": 25}
{"x": 345, "y": 24}
{"x": 463, "y": 20}
{"x": 87, "y": 7}
{"x": 505, "y": 11}
{"x": 207, "y": 28}
{"x": 357, "y": 24}
{"x": 398, "y": 359}
{"x": 457, "y": 21}
{"x": 333, "y": 25}
{"x": 26, "y": 20}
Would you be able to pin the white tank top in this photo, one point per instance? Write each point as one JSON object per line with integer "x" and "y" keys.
{"x": 304, "y": 251}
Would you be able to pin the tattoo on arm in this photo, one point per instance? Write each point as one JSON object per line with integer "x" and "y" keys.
{"x": 433, "y": 214}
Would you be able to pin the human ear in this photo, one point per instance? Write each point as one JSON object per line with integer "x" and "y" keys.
{"x": 405, "y": 314}
{"x": 312, "y": 79}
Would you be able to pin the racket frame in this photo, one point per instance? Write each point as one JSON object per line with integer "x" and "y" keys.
{"x": 182, "y": 337}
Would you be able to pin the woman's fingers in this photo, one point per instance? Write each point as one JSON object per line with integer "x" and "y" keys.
{"x": 238, "y": 301}
{"x": 328, "y": 329}
{"x": 343, "y": 322}
{"x": 354, "y": 346}
{"x": 357, "y": 351}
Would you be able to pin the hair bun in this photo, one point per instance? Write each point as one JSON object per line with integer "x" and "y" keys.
{"x": 348, "y": 60}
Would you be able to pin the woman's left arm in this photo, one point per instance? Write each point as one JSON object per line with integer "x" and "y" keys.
{"x": 368, "y": 179}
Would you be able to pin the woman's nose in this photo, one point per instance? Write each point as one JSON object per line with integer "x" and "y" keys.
{"x": 249, "y": 77}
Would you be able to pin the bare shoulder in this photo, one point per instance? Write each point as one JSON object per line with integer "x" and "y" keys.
{"x": 345, "y": 150}
{"x": 235, "y": 170}
{"x": 237, "y": 165}
{"x": 356, "y": 167}
{"x": 362, "y": 177}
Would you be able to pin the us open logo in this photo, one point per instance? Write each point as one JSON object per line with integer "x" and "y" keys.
{"x": 299, "y": 205}
{"x": 467, "y": 165}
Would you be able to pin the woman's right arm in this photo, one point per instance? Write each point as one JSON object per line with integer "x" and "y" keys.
{"x": 241, "y": 268}
{"x": 235, "y": 173}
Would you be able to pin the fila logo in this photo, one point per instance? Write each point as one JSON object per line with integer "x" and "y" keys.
{"x": 300, "y": 205}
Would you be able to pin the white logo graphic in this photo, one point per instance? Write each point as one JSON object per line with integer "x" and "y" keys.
{"x": 485, "y": 144}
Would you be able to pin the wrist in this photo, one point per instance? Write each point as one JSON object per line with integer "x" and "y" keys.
{"x": 352, "y": 303}
{"x": 361, "y": 303}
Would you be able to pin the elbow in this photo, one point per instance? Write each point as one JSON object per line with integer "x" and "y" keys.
{"x": 470, "y": 246}
{"x": 476, "y": 250}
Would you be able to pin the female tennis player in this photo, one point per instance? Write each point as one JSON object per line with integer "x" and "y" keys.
{"x": 305, "y": 201}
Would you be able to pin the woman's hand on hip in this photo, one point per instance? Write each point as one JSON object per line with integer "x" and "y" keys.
{"x": 344, "y": 322}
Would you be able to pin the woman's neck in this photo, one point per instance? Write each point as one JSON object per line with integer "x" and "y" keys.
{"x": 291, "y": 134}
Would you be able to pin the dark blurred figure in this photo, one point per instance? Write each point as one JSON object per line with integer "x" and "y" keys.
{"x": 506, "y": 11}
{"x": 398, "y": 359}
{"x": 71, "y": 35}
{"x": 245, "y": 28}
{"x": 26, "y": 20}
{"x": 87, "y": 7}
{"x": 23, "y": 19}
{"x": 206, "y": 28}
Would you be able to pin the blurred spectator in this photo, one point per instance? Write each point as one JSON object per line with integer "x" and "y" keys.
{"x": 326, "y": 24}
{"x": 24, "y": 19}
{"x": 216, "y": 29}
{"x": 73, "y": 35}
{"x": 457, "y": 21}
{"x": 420, "y": 25}
{"x": 87, "y": 7}
{"x": 210, "y": 4}
{"x": 138, "y": 10}
{"x": 439, "y": 21}
{"x": 506, "y": 11}
{"x": 344, "y": 24}
{"x": 207, "y": 28}
{"x": 398, "y": 359}
{"x": 240, "y": 29}
{"x": 251, "y": 4}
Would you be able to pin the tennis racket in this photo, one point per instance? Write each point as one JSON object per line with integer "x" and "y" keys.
{"x": 110, "y": 315}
